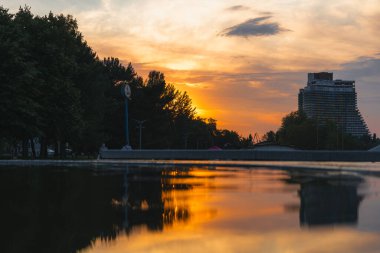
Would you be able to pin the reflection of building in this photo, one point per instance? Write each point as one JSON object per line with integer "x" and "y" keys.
{"x": 325, "y": 99}
{"x": 328, "y": 199}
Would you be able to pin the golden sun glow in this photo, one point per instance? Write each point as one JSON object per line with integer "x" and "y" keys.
{"x": 251, "y": 59}
{"x": 181, "y": 65}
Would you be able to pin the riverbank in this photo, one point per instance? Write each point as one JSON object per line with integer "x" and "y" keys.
{"x": 243, "y": 155}
{"x": 361, "y": 167}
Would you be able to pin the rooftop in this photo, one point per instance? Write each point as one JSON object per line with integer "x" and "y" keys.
{"x": 326, "y": 79}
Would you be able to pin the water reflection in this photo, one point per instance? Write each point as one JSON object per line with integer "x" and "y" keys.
{"x": 327, "y": 199}
{"x": 65, "y": 210}
{"x": 49, "y": 210}
{"x": 146, "y": 200}
{"x": 78, "y": 209}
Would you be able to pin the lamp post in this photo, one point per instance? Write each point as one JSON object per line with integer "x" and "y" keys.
{"x": 126, "y": 93}
{"x": 140, "y": 126}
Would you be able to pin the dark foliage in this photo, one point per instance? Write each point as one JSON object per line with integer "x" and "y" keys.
{"x": 57, "y": 93}
{"x": 301, "y": 132}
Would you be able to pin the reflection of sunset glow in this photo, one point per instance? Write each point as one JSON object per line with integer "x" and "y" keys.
{"x": 117, "y": 208}
{"x": 201, "y": 195}
{"x": 234, "y": 210}
{"x": 273, "y": 242}
{"x": 182, "y": 200}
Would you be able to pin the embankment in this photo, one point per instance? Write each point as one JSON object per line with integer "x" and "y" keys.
{"x": 243, "y": 155}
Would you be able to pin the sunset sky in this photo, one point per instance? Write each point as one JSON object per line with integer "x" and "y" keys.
{"x": 242, "y": 62}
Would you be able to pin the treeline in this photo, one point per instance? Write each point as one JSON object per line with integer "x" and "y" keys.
{"x": 54, "y": 90}
{"x": 299, "y": 131}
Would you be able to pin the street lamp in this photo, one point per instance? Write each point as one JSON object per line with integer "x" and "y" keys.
{"x": 140, "y": 126}
{"x": 125, "y": 90}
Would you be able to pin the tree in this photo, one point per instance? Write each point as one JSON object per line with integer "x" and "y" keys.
{"x": 297, "y": 130}
{"x": 91, "y": 80}
{"x": 18, "y": 75}
{"x": 247, "y": 142}
{"x": 50, "y": 81}
{"x": 54, "y": 47}
{"x": 228, "y": 139}
{"x": 158, "y": 95}
{"x": 55, "y": 89}
{"x": 270, "y": 137}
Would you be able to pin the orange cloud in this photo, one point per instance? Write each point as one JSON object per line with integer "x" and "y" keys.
{"x": 228, "y": 75}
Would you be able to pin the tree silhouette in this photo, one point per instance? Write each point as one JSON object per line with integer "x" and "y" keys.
{"x": 56, "y": 90}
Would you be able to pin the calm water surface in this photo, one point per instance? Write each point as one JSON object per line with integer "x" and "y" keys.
{"x": 188, "y": 209}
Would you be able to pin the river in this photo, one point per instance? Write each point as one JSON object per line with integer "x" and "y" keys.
{"x": 188, "y": 208}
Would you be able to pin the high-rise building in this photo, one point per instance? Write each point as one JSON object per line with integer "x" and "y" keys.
{"x": 325, "y": 99}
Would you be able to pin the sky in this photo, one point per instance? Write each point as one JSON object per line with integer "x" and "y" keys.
{"x": 241, "y": 62}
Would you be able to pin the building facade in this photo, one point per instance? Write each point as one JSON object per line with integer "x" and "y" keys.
{"x": 325, "y": 99}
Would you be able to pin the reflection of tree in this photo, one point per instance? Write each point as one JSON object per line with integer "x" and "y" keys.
{"x": 57, "y": 210}
{"x": 145, "y": 200}
{"x": 45, "y": 210}
{"x": 327, "y": 199}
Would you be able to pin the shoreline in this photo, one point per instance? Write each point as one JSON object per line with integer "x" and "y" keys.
{"x": 243, "y": 155}
{"x": 360, "y": 167}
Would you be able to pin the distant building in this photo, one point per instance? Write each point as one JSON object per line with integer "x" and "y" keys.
{"x": 325, "y": 99}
